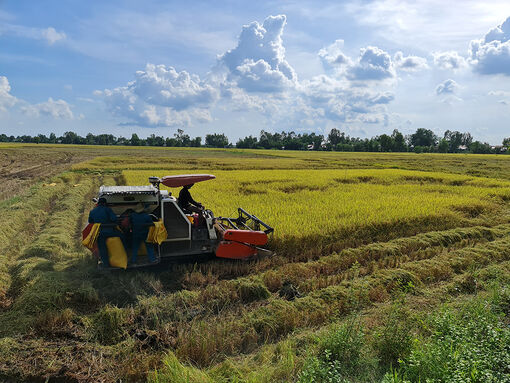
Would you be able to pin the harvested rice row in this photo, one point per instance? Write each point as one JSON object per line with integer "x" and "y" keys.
{"x": 58, "y": 238}
{"x": 282, "y": 361}
{"x": 21, "y": 219}
{"x": 228, "y": 296}
{"x": 38, "y": 284}
{"x": 404, "y": 248}
{"x": 331, "y": 270}
{"x": 206, "y": 340}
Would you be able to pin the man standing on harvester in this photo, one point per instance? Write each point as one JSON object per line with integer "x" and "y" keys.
{"x": 140, "y": 224}
{"x": 106, "y": 217}
{"x": 186, "y": 201}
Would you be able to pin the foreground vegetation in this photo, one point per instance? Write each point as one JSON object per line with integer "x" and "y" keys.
{"x": 399, "y": 268}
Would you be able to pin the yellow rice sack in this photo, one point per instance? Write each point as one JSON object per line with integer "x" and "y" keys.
{"x": 142, "y": 250}
{"x": 116, "y": 252}
{"x": 157, "y": 233}
{"x": 91, "y": 239}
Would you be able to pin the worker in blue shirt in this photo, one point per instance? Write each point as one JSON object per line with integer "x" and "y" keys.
{"x": 106, "y": 217}
{"x": 140, "y": 224}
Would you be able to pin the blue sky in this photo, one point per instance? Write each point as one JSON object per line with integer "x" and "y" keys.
{"x": 236, "y": 67}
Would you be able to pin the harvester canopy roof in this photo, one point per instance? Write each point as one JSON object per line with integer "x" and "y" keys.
{"x": 110, "y": 190}
{"x": 185, "y": 179}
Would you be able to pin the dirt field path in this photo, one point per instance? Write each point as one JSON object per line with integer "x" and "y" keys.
{"x": 21, "y": 167}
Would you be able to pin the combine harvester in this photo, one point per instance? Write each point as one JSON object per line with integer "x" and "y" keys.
{"x": 189, "y": 235}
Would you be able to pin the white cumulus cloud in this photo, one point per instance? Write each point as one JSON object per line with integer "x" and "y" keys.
{"x": 447, "y": 87}
{"x": 161, "y": 96}
{"x": 409, "y": 63}
{"x": 164, "y": 86}
{"x": 373, "y": 64}
{"x": 502, "y": 95}
{"x": 499, "y": 93}
{"x": 449, "y": 60}
{"x": 57, "y": 109}
{"x": 52, "y": 36}
{"x": 257, "y": 63}
{"x": 7, "y": 100}
{"x": 260, "y": 77}
{"x": 333, "y": 99}
{"x": 333, "y": 54}
{"x": 491, "y": 54}
{"x": 255, "y": 76}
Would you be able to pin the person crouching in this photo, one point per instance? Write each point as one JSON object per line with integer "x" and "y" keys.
{"x": 140, "y": 223}
{"x": 106, "y": 217}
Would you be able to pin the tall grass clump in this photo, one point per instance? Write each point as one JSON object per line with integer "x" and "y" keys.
{"x": 107, "y": 325}
{"x": 393, "y": 340}
{"x": 344, "y": 357}
{"x": 174, "y": 371}
{"x": 466, "y": 345}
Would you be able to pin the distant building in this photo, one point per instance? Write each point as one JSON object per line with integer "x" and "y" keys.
{"x": 499, "y": 148}
{"x": 463, "y": 148}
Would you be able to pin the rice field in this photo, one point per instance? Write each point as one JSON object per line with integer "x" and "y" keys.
{"x": 375, "y": 254}
{"x": 326, "y": 205}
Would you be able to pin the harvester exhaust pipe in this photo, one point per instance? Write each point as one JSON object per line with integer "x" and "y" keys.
{"x": 155, "y": 181}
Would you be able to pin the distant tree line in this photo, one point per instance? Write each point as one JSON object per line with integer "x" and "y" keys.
{"x": 180, "y": 139}
{"x": 421, "y": 141}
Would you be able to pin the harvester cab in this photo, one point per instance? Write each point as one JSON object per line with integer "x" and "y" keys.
{"x": 188, "y": 235}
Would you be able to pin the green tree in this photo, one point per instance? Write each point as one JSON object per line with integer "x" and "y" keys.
{"x": 386, "y": 142}
{"x": 70, "y": 138}
{"x": 443, "y": 146}
{"x": 423, "y": 137}
{"x": 135, "y": 141}
{"x": 90, "y": 139}
{"x": 292, "y": 141}
{"x": 216, "y": 140}
{"x": 454, "y": 140}
{"x": 181, "y": 138}
{"x": 399, "y": 141}
{"x": 480, "y": 148}
{"x": 171, "y": 142}
{"x": 467, "y": 139}
{"x": 247, "y": 142}
{"x": 196, "y": 142}
{"x": 154, "y": 140}
{"x": 336, "y": 137}
{"x": 105, "y": 139}
{"x": 41, "y": 139}
{"x": 266, "y": 139}
{"x": 122, "y": 141}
